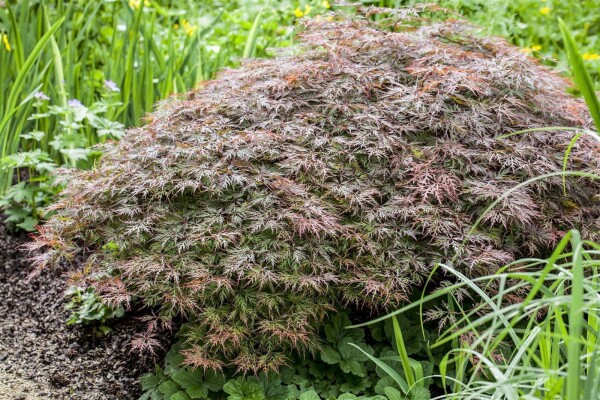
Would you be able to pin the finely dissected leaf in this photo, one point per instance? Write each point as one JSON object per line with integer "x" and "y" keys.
{"x": 338, "y": 173}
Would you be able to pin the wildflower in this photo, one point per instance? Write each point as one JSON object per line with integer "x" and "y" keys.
{"x": 545, "y": 10}
{"x": 41, "y": 96}
{"x": 526, "y": 50}
{"x": 135, "y": 4}
{"x": 6, "y": 43}
{"x": 175, "y": 26}
{"x": 326, "y": 4}
{"x": 110, "y": 85}
{"x": 188, "y": 28}
{"x": 298, "y": 12}
{"x": 74, "y": 103}
{"x": 590, "y": 56}
{"x": 307, "y": 9}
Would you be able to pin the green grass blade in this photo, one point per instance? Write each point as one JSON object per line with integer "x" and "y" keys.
{"x": 582, "y": 75}
{"x": 250, "y": 46}
{"x": 576, "y": 317}
{"x": 408, "y": 372}
{"x": 386, "y": 368}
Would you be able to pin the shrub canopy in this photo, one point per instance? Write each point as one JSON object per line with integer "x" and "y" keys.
{"x": 336, "y": 174}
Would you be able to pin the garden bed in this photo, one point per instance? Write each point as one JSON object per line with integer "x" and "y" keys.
{"x": 42, "y": 358}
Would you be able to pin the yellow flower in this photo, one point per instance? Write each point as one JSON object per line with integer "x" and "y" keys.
{"x": 188, "y": 28}
{"x": 135, "y": 4}
{"x": 6, "y": 43}
{"x": 545, "y": 10}
{"x": 298, "y": 12}
{"x": 590, "y": 56}
{"x": 326, "y": 4}
{"x": 175, "y": 26}
{"x": 306, "y": 9}
{"x": 526, "y": 50}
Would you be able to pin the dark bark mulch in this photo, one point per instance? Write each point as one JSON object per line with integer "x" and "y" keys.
{"x": 36, "y": 345}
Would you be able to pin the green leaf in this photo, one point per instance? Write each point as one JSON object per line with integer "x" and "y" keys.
{"x": 168, "y": 388}
{"x": 388, "y": 370}
{"x": 582, "y": 75}
{"x": 355, "y": 385}
{"x": 351, "y": 353}
{"x": 406, "y": 367}
{"x": 347, "y": 396}
{"x": 353, "y": 367}
{"x": 181, "y": 395}
{"x": 213, "y": 380}
{"x": 312, "y": 395}
{"x": 29, "y": 224}
{"x": 152, "y": 380}
{"x": 272, "y": 386}
{"x": 330, "y": 355}
{"x": 191, "y": 381}
{"x": 244, "y": 389}
{"x": 419, "y": 393}
{"x": 393, "y": 393}
{"x": 386, "y": 381}
{"x": 174, "y": 359}
{"x": 186, "y": 377}
{"x": 336, "y": 330}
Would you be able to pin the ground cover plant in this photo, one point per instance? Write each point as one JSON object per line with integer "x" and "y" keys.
{"x": 335, "y": 176}
{"x": 338, "y": 371}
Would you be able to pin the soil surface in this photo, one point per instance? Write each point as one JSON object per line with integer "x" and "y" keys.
{"x": 43, "y": 358}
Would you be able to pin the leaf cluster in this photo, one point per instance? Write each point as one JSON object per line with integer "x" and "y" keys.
{"x": 87, "y": 308}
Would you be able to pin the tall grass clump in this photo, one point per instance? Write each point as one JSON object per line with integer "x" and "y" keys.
{"x": 337, "y": 175}
{"x": 534, "y": 336}
{"x": 144, "y": 51}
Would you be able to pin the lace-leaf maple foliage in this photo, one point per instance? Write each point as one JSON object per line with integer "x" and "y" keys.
{"x": 336, "y": 174}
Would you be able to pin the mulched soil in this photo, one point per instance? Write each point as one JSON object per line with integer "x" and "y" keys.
{"x": 41, "y": 357}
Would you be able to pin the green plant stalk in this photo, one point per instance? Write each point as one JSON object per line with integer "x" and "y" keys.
{"x": 10, "y": 142}
{"x": 575, "y": 321}
{"x": 408, "y": 372}
{"x": 250, "y": 46}
{"x": 582, "y": 75}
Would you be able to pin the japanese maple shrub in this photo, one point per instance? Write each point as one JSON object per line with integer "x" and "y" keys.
{"x": 336, "y": 174}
